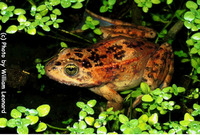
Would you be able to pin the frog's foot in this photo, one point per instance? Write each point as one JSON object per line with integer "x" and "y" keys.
{"x": 114, "y": 99}
{"x": 159, "y": 68}
{"x": 116, "y": 106}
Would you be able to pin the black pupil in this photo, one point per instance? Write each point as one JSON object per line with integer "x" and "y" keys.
{"x": 70, "y": 69}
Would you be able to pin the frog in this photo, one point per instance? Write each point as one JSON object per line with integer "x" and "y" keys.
{"x": 123, "y": 59}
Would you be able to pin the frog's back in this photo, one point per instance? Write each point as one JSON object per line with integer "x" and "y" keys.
{"x": 115, "y": 51}
{"x": 119, "y": 61}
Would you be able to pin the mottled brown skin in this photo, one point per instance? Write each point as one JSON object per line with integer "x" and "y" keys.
{"x": 121, "y": 61}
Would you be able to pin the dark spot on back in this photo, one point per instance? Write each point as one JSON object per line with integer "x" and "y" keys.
{"x": 80, "y": 55}
{"x": 103, "y": 56}
{"x": 67, "y": 54}
{"x": 58, "y": 63}
{"x": 86, "y": 64}
{"x": 113, "y": 48}
{"x": 119, "y": 55}
{"x": 89, "y": 50}
{"x": 78, "y": 50}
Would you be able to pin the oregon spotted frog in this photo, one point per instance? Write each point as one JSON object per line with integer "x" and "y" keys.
{"x": 123, "y": 60}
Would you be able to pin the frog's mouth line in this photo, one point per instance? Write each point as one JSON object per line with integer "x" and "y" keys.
{"x": 66, "y": 82}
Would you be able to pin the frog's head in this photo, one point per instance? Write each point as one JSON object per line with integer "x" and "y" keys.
{"x": 68, "y": 68}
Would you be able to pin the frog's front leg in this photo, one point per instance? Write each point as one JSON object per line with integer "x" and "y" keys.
{"x": 159, "y": 69}
{"x": 114, "y": 99}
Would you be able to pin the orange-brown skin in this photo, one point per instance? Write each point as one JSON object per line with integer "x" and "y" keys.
{"x": 121, "y": 61}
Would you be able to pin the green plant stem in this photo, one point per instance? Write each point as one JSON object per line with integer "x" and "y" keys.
{"x": 31, "y": 2}
{"x": 170, "y": 116}
{"x": 165, "y": 27}
{"x": 53, "y": 127}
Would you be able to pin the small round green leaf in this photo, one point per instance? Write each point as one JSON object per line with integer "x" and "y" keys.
{"x": 145, "y": 87}
{"x": 82, "y": 125}
{"x": 188, "y": 24}
{"x": 55, "y": 25}
{"x": 196, "y": 36}
{"x": 191, "y": 5}
{"x": 153, "y": 119}
{"x": 43, "y": 110}
{"x": 103, "y": 9}
{"x": 155, "y": 1}
{"x": 97, "y": 31}
{"x": 33, "y": 119}
{"x": 44, "y": 12}
{"x": 89, "y": 120}
{"x": 92, "y": 103}
{"x": 3, "y": 122}
{"x": 194, "y": 63}
{"x": 102, "y": 130}
{"x": 65, "y": 3}
{"x": 196, "y": 106}
{"x": 15, "y": 113}
{"x": 31, "y": 31}
{"x": 167, "y": 96}
{"x": 169, "y": 2}
{"x": 49, "y": 23}
{"x": 46, "y": 28}
{"x": 145, "y": 9}
{"x": 11, "y": 123}
{"x": 25, "y": 122}
{"x": 84, "y": 27}
{"x": 102, "y": 116}
{"x": 111, "y": 2}
{"x": 10, "y": 8}
{"x": 189, "y": 16}
{"x": 19, "y": 11}
{"x": 11, "y": 29}
{"x": 45, "y": 19}
{"x": 89, "y": 110}
{"x": 184, "y": 123}
{"x": 59, "y": 20}
{"x": 22, "y": 130}
{"x": 41, "y": 8}
{"x": 53, "y": 17}
{"x": 5, "y": 18}
{"x": 22, "y": 109}
{"x": 41, "y": 127}
{"x": 188, "y": 117}
{"x": 134, "y": 122}
{"x": 193, "y": 50}
{"x": 80, "y": 104}
{"x": 33, "y": 8}
{"x": 148, "y": 4}
{"x": 123, "y": 118}
{"x": 3, "y": 6}
{"x": 56, "y": 11}
{"x": 38, "y": 16}
{"x": 54, "y": 2}
{"x": 95, "y": 22}
{"x": 63, "y": 44}
{"x": 143, "y": 118}
{"x": 78, "y": 5}
{"x": 82, "y": 114}
{"x": 21, "y": 18}
{"x": 147, "y": 98}
{"x": 97, "y": 124}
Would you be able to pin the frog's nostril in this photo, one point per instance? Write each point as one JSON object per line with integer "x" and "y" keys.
{"x": 58, "y": 63}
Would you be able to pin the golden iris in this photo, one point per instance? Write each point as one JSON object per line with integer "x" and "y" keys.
{"x": 71, "y": 69}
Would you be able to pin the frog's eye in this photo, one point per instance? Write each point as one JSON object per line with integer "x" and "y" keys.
{"x": 71, "y": 69}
